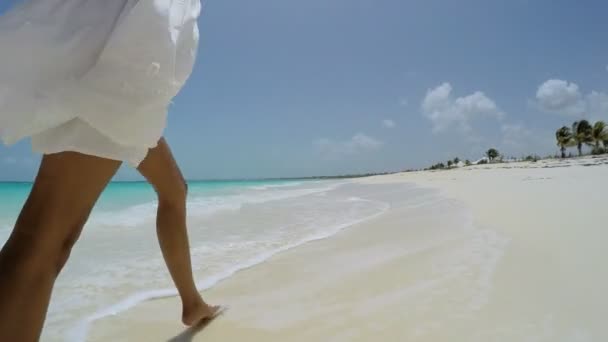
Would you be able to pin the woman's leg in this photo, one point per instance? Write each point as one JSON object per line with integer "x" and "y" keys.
{"x": 64, "y": 192}
{"x": 161, "y": 170}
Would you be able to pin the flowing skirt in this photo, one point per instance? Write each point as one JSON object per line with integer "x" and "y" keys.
{"x": 94, "y": 76}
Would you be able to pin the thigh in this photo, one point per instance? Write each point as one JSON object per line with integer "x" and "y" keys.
{"x": 65, "y": 190}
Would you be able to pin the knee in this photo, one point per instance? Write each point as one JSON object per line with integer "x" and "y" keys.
{"x": 173, "y": 197}
{"x": 62, "y": 253}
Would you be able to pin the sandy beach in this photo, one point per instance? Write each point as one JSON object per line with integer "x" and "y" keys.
{"x": 504, "y": 252}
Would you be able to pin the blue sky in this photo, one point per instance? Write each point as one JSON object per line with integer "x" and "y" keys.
{"x": 318, "y": 87}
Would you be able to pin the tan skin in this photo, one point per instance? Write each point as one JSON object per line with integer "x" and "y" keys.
{"x": 66, "y": 188}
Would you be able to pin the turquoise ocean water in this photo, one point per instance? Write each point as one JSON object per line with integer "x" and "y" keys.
{"x": 120, "y": 195}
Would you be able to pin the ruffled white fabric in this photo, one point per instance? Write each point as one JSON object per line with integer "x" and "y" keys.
{"x": 94, "y": 76}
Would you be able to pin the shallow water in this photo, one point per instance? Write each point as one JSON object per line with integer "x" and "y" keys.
{"x": 233, "y": 225}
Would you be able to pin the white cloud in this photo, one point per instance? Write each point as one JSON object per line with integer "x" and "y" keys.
{"x": 388, "y": 123}
{"x": 444, "y": 111}
{"x": 355, "y": 145}
{"x": 365, "y": 142}
{"x": 563, "y": 97}
{"x": 559, "y": 96}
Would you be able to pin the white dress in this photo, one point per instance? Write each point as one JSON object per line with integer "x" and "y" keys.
{"x": 94, "y": 76}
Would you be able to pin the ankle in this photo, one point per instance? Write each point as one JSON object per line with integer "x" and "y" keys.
{"x": 192, "y": 300}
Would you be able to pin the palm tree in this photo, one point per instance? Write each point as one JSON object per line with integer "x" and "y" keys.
{"x": 564, "y": 139}
{"x": 450, "y": 163}
{"x": 492, "y": 154}
{"x": 599, "y": 134}
{"x": 456, "y": 161}
{"x": 581, "y": 133}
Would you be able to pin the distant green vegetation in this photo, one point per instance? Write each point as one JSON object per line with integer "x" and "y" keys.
{"x": 583, "y": 133}
{"x": 532, "y": 158}
{"x": 492, "y": 154}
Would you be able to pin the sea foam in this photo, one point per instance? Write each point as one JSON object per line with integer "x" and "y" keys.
{"x": 80, "y": 330}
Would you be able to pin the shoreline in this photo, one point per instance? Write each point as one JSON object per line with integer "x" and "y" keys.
{"x": 527, "y": 272}
{"x": 81, "y": 330}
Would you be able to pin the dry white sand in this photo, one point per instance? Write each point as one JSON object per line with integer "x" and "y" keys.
{"x": 531, "y": 267}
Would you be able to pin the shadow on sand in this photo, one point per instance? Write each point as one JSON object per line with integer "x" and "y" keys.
{"x": 189, "y": 334}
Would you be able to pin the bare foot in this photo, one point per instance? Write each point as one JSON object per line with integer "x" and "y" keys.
{"x": 198, "y": 311}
